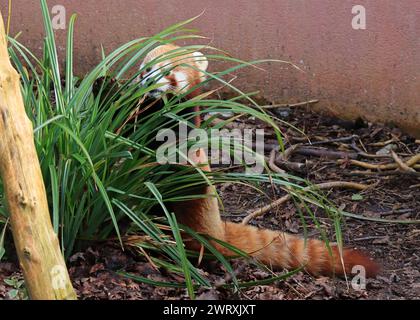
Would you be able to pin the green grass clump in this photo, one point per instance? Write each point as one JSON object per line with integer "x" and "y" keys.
{"x": 97, "y": 179}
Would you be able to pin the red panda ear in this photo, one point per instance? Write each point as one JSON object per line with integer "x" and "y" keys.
{"x": 201, "y": 60}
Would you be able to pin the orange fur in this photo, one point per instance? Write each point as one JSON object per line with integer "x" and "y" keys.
{"x": 276, "y": 249}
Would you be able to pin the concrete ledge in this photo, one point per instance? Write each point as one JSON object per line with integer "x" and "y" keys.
{"x": 374, "y": 73}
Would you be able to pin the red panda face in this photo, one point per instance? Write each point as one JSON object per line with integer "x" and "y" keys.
{"x": 171, "y": 71}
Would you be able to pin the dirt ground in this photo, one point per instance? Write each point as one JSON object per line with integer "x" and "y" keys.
{"x": 394, "y": 194}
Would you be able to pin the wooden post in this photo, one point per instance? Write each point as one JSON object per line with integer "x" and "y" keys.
{"x": 37, "y": 246}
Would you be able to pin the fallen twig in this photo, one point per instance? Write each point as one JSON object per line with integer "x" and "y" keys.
{"x": 298, "y": 139}
{"x": 384, "y": 173}
{"x": 371, "y": 166}
{"x": 383, "y": 143}
{"x": 288, "y": 152}
{"x": 325, "y": 185}
{"x": 342, "y": 139}
{"x": 368, "y": 238}
{"x": 272, "y": 164}
{"x": 294, "y": 166}
{"x": 364, "y": 154}
{"x": 393, "y": 212}
{"x": 282, "y": 160}
{"x": 287, "y": 105}
{"x": 412, "y": 162}
{"x": 400, "y": 163}
{"x": 322, "y": 153}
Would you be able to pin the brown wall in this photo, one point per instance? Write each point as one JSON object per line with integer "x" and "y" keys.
{"x": 374, "y": 72}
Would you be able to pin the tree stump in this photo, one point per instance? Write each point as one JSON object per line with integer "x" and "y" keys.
{"x": 37, "y": 245}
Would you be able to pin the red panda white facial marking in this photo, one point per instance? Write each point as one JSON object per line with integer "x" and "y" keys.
{"x": 175, "y": 74}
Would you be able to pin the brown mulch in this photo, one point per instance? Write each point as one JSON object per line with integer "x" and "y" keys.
{"x": 397, "y": 196}
{"x": 395, "y": 246}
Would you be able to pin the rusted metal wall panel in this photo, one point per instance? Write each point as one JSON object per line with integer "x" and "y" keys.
{"x": 374, "y": 73}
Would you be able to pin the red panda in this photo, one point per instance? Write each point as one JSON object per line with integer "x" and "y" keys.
{"x": 276, "y": 249}
{"x": 170, "y": 73}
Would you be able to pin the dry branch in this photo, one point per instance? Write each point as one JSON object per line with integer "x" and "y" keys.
{"x": 271, "y": 163}
{"x": 322, "y": 153}
{"x": 371, "y": 166}
{"x": 400, "y": 163}
{"x": 36, "y": 243}
{"x": 412, "y": 163}
{"x": 413, "y": 160}
{"x": 364, "y": 154}
{"x": 287, "y": 105}
{"x": 384, "y": 173}
{"x": 342, "y": 139}
{"x": 282, "y": 160}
